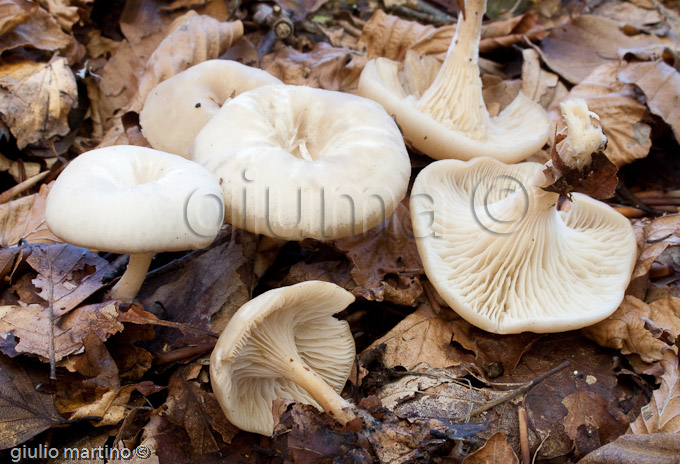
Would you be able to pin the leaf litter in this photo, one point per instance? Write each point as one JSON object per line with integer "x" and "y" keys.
{"x": 440, "y": 389}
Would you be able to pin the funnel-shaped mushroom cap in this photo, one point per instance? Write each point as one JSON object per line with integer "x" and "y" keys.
{"x": 178, "y": 108}
{"x": 503, "y": 257}
{"x": 443, "y": 114}
{"x": 296, "y": 162}
{"x": 272, "y": 336}
{"x": 129, "y": 199}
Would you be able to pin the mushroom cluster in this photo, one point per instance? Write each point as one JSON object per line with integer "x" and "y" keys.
{"x": 442, "y": 112}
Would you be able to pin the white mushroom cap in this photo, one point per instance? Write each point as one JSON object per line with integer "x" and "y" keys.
{"x": 178, "y": 108}
{"x": 129, "y": 199}
{"x": 272, "y": 340}
{"x": 297, "y": 162}
{"x": 448, "y": 119}
{"x": 503, "y": 257}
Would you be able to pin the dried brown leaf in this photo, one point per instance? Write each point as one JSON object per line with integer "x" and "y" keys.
{"x": 198, "y": 412}
{"x": 25, "y": 219}
{"x": 541, "y": 86}
{"x": 15, "y": 12}
{"x": 305, "y": 435}
{"x": 65, "y": 13}
{"x": 663, "y": 228}
{"x": 25, "y": 412}
{"x": 591, "y": 422}
{"x": 587, "y": 41}
{"x": 656, "y": 448}
{"x": 214, "y": 285}
{"x": 661, "y": 85}
{"x": 67, "y": 275}
{"x": 622, "y": 117}
{"x": 597, "y": 179}
{"x": 386, "y": 264}
{"x": 190, "y": 41}
{"x": 27, "y": 329}
{"x": 322, "y": 67}
{"x": 39, "y": 31}
{"x": 625, "y": 330}
{"x": 389, "y": 36}
{"x": 421, "y": 340}
{"x": 662, "y": 414}
{"x": 36, "y": 99}
{"x": 495, "y": 451}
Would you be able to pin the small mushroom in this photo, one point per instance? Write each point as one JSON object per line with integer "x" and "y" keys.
{"x": 505, "y": 256}
{"x": 284, "y": 343}
{"x": 443, "y": 115}
{"x": 178, "y": 108}
{"x": 136, "y": 200}
{"x": 297, "y": 162}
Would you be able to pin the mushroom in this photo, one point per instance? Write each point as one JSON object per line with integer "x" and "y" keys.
{"x": 297, "y": 162}
{"x": 284, "y": 343}
{"x": 443, "y": 115}
{"x": 504, "y": 256}
{"x": 136, "y": 200}
{"x": 178, "y": 108}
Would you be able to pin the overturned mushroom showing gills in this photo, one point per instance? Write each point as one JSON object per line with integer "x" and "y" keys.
{"x": 443, "y": 115}
{"x": 136, "y": 200}
{"x": 178, "y": 108}
{"x": 501, "y": 254}
{"x": 296, "y": 162}
{"x": 284, "y": 343}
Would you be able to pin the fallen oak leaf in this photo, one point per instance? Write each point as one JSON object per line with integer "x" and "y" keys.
{"x": 597, "y": 179}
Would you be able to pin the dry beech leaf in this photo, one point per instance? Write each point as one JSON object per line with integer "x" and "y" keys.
{"x": 25, "y": 412}
{"x": 389, "y": 36}
{"x": 15, "y": 12}
{"x": 591, "y": 421}
{"x": 198, "y": 412}
{"x": 190, "y": 42}
{"x": 27, "y": 329}
{"x": 541, "y": 86}
{"x": 625, "y": 330}
{"x": 495, "y": 451}
{"x": 421, "y": 340}
{"x": 39, "y": 31}
{"x": 25, "y": 218}
{"x": 214, "y": 284}
{"x": 385, "y": 261}
{"x": 587, "y": 41}
{"x": 65, "y": 13}
{"x": 661, "y": 85}
{"x": 67, "y": 274}
{"x": 621, "y": 115}
{"x": 35, "y": 99}
{"x": 656, "y": 448}
{"x": 322, "y": 67}
{"x": 662, "y": 414}
{"x": 663, "y": 228}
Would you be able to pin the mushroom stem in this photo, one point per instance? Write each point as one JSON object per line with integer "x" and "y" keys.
{"x": 132, "y": 279}
{"x": 334, "y": 404}
{"x": 583, "y": 138}
{"x": 464, "y": 109}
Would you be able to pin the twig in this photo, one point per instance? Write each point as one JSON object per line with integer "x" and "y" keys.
{"x": 630, "y": 197}
{"x": 10, "y": 193}
{"x": 181, "y": 354}
{"x": 520, "y": 391}
{"x": 50, "y": 308}
{"x": 524, "y": 436}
